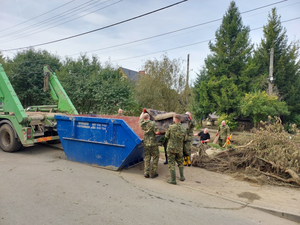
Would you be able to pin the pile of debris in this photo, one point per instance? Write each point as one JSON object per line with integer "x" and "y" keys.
{"x": 271, "y": 155}
{"x": 164, "y": 119}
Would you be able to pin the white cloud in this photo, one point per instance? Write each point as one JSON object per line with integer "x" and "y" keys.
{"x": 183, "y": 15}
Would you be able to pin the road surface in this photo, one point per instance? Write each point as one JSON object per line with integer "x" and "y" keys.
{"x": 39, "y": 186}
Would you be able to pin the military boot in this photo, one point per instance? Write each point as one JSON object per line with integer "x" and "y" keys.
{"x": 173, "y": 177}
{"x": 189, "y": 161}
{"x": 182, "y": 178}
{"x": 184, "y": 161}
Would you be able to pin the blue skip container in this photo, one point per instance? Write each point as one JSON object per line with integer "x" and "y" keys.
{"x": 108, "y": 143}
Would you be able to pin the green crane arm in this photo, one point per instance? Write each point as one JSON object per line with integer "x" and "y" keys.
{"x": 9, "y": 99}
{"x": 57, "y": 92}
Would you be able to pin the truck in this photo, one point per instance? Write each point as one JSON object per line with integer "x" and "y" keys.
{"x": 25, "y": 127}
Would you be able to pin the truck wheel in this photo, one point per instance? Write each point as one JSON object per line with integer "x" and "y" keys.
{"x": 53, "y": 142}
{"x": 8, "y": 142}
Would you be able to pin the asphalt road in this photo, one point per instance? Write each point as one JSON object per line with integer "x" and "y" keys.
{"x": 39, "y": 186}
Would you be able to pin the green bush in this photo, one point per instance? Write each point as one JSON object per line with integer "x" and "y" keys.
{"x": 229, "y": 121}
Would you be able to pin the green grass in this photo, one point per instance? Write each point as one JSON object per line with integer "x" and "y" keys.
{"x": 212, "y": 145}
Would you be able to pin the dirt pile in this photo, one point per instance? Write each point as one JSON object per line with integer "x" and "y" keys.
{"x": 269, "y": 155}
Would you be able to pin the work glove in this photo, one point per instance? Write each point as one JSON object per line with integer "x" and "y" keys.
{"x": 203, "y": 142}
{"x": 144, "y": 110}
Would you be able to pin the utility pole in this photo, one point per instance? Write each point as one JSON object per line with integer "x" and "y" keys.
{"x": 271, "y": 78}
{"x": 187, "y": 72}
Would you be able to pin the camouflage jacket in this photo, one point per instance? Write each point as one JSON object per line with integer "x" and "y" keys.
{"x": 189, "y": 130}
{"x": 223, "y": 131}
{"x": 175, "y": 134}
{"x": 149, "y": 128}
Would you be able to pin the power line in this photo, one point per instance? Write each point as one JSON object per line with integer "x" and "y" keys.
{"x": 251, "y": 10}
{"x": 158, "y": 35}
{"x": 166, "y": 50}
{"x": 65, "y": 21}
{"x": 72, "y": 10}
{"x": 170, "y": 49}
{"x": 38, "y": 16}
{"x": 178, "y": 30}
{"x": 263, "y": 6}
{"x": 188, "y": 45}
{"x": 174, "y": 32}
{"x": 102, "y": 28}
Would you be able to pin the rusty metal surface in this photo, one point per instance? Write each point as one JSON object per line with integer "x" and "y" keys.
{"x": 132, "y": 121}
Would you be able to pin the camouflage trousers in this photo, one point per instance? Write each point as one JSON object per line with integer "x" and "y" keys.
{"x": 202, "y": 148}
{"x": 221, "y": 142}
{"x": 172, "y": 157}
{"x": 151, "y": 151}
{"x": 187, "y": 148}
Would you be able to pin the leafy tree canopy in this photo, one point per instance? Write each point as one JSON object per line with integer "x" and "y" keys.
{"x": 162, "y": 85}
{"x": 25, "y": 71}
{"x": 259, "y": 105}
{"x": 96, "y": 88}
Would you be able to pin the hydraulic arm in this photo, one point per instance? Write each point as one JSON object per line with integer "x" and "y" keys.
{"x": 19, "y": 127}
{"x": 64, "y": 104}
{"x": 8, "y": 97}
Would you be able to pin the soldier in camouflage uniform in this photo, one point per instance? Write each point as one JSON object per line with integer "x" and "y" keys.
{"x": 175, "y": 135}
{"x": 187, "y": 144}
{"x": 224, "y": 132}
{"x": 150, "y": 145}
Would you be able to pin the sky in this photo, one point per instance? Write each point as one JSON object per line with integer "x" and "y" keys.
{"x": 177, "y": 31}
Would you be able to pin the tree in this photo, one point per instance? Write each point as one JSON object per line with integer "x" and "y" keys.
{"x": 2, "y": 59}
{"x": 224, "y": 79}
{"x": 162, "y": 84}
{"x": 94, "y": 88}
{"x": 286, "y": 64}
{"x": 25, "y": 71}
{"x": 259, "y": 105}
{"x": 202, "y": 105}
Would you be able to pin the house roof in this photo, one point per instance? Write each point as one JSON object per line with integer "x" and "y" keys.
{"x": 130, "y": 73}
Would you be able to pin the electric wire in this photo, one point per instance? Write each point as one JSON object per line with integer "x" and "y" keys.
{"x": 45, "y": 21}
{"x": 165, "y": 50}
{"x": 251, "y": 10}
{"x": 188, "y": 45}
{"x": 37, "y": 16}
{"x": 166, "y": 34}
{"x": 101, "y": 28}
{"x": 152, "y": 53}
{"x": 18, "y": 37}
{"x": 175, "y": 31}
{"x": 63, "y": 22}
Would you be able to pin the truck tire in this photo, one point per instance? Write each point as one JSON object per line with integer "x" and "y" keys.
{"x": 8, "y": 142}
{"x": 53, "y": 142}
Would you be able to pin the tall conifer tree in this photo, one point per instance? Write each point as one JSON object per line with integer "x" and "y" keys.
{"x": 223, "y": 81}
{"x": 286, "y": 64}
